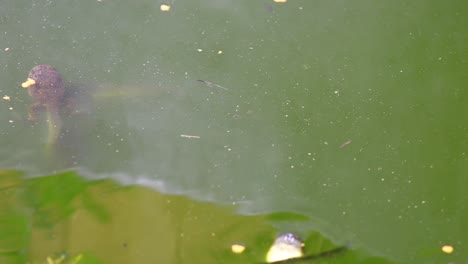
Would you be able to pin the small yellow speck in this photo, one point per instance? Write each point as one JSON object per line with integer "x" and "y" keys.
{"x": 220, "y": 51}
{"x": 237, "y": 248}
{"x": 447, "y": 249}
{"x": 7, "y": 49}
{"x": 6, "y": 98}
{"x": 165, "y": 8}
{"x": 280, "y": 1}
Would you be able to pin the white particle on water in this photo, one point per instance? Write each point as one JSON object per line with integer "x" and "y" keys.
{"x": 292, "y": 166}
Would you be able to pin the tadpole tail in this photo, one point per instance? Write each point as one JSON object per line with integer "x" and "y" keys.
{"x": 54, "y": 126}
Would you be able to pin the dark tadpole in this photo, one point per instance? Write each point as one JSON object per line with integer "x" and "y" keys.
{"x": 45, "y": 85}
{"x": 69, "y": 110}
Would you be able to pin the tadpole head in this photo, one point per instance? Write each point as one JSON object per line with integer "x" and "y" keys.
{"x": 45, "y": 84}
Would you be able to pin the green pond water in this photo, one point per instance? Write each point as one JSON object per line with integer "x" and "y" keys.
{"x": 340, "y": 121}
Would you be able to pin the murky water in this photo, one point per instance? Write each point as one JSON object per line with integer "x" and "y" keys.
{"x": 347, "y": 113}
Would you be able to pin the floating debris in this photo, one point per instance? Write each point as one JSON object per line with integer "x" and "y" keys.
{"x": 286, "y": 246}
{"x": 237, "y": 248}
{"x": 165, "y": 7}
{"x": 189, "y": 136}
{"x": 280, "y": 1}
{"x": 289, "y": 247}
{"x": 62, "y": 259}
{"x": 447, "y": 249}
{"x": 28, "y": 83}
{"x": 55, "y": 261}
{"x": 6, "y": 98}
{"x": 345, "y": 144}
{"x": 210, "y": 84}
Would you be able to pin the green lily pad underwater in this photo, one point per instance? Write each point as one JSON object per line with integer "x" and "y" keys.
{"x": 65, "y": 218}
